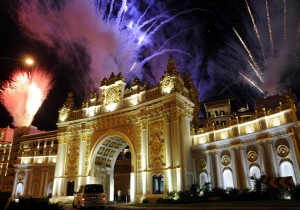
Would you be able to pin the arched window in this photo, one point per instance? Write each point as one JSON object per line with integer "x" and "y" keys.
{"x": 228, "y": 179}
{"x": 255, "y": 173}
{"x": 203, "y": 179}
{"x": 287, "y": 169}
{"x": 158, "y": 184}
{"x": 19, "y": 190}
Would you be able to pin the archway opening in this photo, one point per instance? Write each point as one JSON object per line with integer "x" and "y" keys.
{"x": 255, "y": 173}
{"x": 287, "y": 169}
{"x": 203, "y": 179}
{"x": 228, "y": 179}
{"x": 111, "y": 167}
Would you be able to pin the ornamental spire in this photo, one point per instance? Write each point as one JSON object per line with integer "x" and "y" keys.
{"x": 171, "y": 67}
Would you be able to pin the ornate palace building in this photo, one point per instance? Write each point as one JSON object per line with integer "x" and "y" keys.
{"x": 147, "y": 141}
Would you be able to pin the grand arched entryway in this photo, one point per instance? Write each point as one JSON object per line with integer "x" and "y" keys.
{"x": 152, "y": 123}
{"x": 111, "y": 166}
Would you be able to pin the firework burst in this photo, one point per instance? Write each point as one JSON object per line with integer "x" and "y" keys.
{"x": 271, "y": 58}
{"x": 24, "y": 93}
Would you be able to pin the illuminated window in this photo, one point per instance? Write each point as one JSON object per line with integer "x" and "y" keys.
{"x": 287, "y": 169}
{"x": 228, "y": 179}
{"x": 255, "y": 173}
{"x": 203, "y": 179}
{"x": 158, "y": 184}
{"x": 20, "y": 189}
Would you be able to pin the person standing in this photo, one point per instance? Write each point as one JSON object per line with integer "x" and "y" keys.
{"x": 119, "y": 195}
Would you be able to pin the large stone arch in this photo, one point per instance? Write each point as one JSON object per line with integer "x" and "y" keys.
{"x": 104, "y": 155}
{"x": 155, "y": 123}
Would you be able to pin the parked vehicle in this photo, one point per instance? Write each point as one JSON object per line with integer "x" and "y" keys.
{"x": 88, "y": 196}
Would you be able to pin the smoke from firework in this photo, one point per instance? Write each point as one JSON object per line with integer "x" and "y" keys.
{"x": 112, "y": 36}
{"x": 100, "y": 37}
{"x": 24, "y": 93}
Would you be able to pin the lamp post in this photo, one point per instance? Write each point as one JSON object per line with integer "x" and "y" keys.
{"x": 28, "y": 61}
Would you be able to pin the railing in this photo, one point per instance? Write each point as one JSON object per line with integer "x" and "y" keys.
{"x": 265, "y": 122}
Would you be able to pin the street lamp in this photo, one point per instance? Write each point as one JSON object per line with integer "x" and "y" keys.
{"x": 28, "y": 61}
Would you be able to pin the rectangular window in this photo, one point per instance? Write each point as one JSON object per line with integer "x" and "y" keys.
{"x": 158, "y": 184}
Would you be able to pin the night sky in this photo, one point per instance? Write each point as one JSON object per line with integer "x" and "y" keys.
{"x": 216, "y": 41}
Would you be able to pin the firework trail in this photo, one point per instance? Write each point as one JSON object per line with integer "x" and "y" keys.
{"x": 255, "y": 67}
{"x": 270, "y": 27}
{"x": 284, "y": 20}
{"x": 24, "y": 93}
{"x": 275, "y": 62}
{"x": 114, "y": 35}
{"x": 255, "y": 28}
{"x": 252, "y": 82}
{"x": 104, "y": 36}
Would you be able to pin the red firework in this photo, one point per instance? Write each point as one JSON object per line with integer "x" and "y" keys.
{"x": 23, "y": 94}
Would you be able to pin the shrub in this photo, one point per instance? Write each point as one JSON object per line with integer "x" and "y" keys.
{"x": 234, "y": 194}
{"x": 184, "y": 195}
{"x": 4, "y": 196}
{"x": 194, "y": 190}
{"x": 145, "y": 200}
{"x": 295, "y": 192}
{"x": 165, "y": 200}
{"x": 219, "y": 192}
{"x": 33, "y": 204}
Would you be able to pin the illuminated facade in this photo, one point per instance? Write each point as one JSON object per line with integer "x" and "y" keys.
{"x": 153, "y": 123}
{"x": 264, "y": 142}
{"x": 155, "y": 128}
{"x": 31, "y": 163}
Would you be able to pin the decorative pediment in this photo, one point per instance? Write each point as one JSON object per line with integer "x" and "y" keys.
{"x": 113, "y": 89}
{"x": 171, "y": 80}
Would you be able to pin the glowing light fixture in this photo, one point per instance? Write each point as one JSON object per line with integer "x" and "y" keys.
{"x": 111, "y": 107}
{"x": 29, "y": 61}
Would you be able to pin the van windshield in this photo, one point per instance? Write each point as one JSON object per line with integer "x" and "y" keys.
{"x": 97, "y": 188}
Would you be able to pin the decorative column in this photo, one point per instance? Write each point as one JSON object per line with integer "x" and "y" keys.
{"x": 46, "y": 183}
{"x": 296, "y": 157}
{"x": 144, "y": 154}
{"x": 168, "y": 142}
{"x": 175, "y": 140}
{"x": 42, "y": 182}
{"x": 169, "y": 153}
{"x": 30, "y": 175}
{"x": 272, "y": 158}
{"x": 17, "y": 172}
{"x": 218, "y": 170}
{"x": 176, "y": 159}
{"x": 84, "y": 155}
{"x": 263, "y": 158}
{"x": 235, "y": 168}
{"x": 60, "y": 165}
{"x": 245, "y": 178}
{"x": 185, "y": 145}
